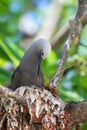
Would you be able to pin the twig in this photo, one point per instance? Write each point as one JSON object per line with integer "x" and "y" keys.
{"x": 60, "y": 36}
{"x": 73, "y": 32}
{"x": 2, "y": 121}
{"x": 9, "y": 93}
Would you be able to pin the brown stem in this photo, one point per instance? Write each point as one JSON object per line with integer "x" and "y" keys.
{"x": 9, "y": 93}
{"x": 73, "y": 32}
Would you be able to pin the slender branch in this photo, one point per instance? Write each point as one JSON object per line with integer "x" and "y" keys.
{"x": 73, "y": 32}
{"x": 9, "y": 93}
{"x": 60, "y": 36}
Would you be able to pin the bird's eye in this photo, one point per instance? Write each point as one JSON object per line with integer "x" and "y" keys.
{"x": 42, "y": 53}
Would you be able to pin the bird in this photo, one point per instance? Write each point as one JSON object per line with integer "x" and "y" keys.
{"x": 29, "y": 70}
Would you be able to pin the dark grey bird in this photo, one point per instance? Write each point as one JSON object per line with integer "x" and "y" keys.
{"x": 29, "y": 70}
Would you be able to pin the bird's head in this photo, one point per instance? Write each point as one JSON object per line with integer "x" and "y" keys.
{"x": 38, "y": 51}
{"x": 42, "y": 48}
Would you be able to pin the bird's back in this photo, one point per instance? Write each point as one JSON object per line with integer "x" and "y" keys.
{"x": 26, "y": 78}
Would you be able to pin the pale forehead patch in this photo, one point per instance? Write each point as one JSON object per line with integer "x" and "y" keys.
{"x": 44, "y": 45}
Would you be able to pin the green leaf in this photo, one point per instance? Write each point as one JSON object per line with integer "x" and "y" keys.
{"x": 84, "y": 126}
{"x": 69, "y": 95}
{"x": 83, "y": 83}
{"x": 12, "y": 51}
{"x": 5, "y": 76}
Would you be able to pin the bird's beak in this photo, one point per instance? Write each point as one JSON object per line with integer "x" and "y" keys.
{"x": 39, "y": 65}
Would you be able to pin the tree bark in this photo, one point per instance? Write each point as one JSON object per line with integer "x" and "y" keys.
{"x": 38, "y": 110}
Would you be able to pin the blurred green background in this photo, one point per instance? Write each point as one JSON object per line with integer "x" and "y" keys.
{"x": 22, "y": 21}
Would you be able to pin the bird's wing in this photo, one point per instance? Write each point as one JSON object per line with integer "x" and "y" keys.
{"x": 15, "y": 80}
{"x": 42, "y": 78}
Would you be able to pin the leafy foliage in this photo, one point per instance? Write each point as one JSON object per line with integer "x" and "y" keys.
{"x": 8, "y": 54}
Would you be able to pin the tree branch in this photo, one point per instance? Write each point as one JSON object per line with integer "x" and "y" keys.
{"x": 44, "y": 110}
{"x": 73, "y": 33}
{"x": 5, "y": 92}
{"x": 77, "y": 111}
{"x": 62, "y": 34}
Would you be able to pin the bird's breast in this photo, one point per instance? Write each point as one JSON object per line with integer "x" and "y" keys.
{"x": 28, "y": 78}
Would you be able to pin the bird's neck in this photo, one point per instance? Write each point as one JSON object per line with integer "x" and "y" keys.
{"x": 29, "y": 63}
